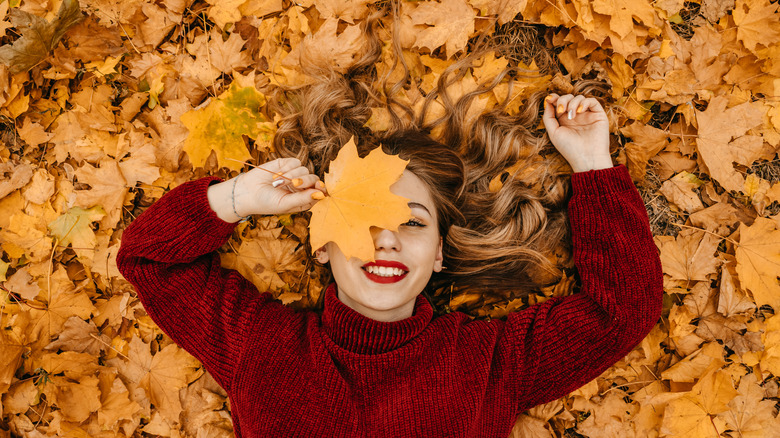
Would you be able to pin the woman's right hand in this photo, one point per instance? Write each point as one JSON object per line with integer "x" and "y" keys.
{"x": 255, "y": 192}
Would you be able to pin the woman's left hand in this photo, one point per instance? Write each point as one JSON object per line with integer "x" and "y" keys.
{"x": 579, "y": 129}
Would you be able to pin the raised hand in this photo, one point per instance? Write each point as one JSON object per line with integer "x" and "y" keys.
{"x": 579, "y": 129}
{"x": 277, "y": 187}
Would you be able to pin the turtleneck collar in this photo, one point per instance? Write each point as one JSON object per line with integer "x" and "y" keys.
{"x": 360, "y": 334}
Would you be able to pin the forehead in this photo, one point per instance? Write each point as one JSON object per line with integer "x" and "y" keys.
{"x": 413, "y": 188}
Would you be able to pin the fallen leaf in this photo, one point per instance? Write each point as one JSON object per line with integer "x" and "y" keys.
{"x": 448, "y": 23}
{"x": 220, "y": 125}
{"x": 719, "y": 129}
{"x": 758, "y": 261}
{"x": 38, "y": 36}
{"x": 75, "y": 228}
{"x": 690, "y": 256}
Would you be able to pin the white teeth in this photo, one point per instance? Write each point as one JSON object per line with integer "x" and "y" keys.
{"x": 384, "y": 271}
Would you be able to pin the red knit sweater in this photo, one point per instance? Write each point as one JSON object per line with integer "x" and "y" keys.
{"x": 340, "y": 374}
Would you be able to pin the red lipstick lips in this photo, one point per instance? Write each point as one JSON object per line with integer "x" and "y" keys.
{"x": 389, "y": 272}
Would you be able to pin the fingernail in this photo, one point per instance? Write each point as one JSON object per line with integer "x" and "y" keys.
{"x": 319, "y": 185}
{"x": 547, "y": 99}
{"x": 277, "y": 182}
{"x": 571, "y": 114}
{"x": 296, "y": 182}
{"x": 317, "y": 195}
{"x": 579, "y": 109}
{"x": 560, "y": 109}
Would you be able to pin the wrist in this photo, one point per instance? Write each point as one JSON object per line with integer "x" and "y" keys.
{"x": 221, "y": 200}
{"x": 594, "y": 164}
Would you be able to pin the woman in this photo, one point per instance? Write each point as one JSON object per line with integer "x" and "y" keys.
{"x": 375, "y": 362}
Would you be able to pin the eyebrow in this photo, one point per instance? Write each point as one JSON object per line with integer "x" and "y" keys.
{"x": 418, "y": 205}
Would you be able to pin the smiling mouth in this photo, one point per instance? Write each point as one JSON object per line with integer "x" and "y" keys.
{"x": 384, "y": 274}
{"x": 384, "y": 271}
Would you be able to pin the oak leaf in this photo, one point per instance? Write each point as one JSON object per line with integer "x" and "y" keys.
{"x": 220, "y": 125}
{"x": 359, "y": 197}
{"x": 38, "y": 36}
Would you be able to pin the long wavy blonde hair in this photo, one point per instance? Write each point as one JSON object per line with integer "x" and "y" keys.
{"x": 495, "y": 240}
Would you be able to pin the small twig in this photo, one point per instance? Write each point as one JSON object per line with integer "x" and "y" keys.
{"x": 276, "y": 174}
{"x": 706, "y": 231}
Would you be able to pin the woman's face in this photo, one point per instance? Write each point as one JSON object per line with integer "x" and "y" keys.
{"x": 386, "y": 289}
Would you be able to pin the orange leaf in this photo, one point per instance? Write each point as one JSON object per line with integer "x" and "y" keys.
{"x": 359, "y": 197}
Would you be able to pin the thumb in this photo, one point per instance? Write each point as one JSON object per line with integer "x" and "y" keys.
{"x": 548, "y": 118}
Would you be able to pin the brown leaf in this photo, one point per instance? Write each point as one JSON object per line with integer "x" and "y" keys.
{"x": 690, "y": 256}
{"x": 20, "y": 175}
{"x": 721, "y": 142}
{"x": 38, "y": 36}
{"x": 80, "y": 336}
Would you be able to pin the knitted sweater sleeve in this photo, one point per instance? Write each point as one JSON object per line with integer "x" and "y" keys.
{"x": 169, "y": 254}
{"x": 565, "y": 342}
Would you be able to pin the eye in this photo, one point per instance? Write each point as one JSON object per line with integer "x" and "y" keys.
{"x": 413, "y": 223}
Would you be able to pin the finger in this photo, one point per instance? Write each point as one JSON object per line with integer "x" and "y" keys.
{"x": 298, "y": 201}
{"x": 591, "y": 104}
{"x": 282, "y": 165}
{"x": 304, "y": 182}
{"x": 548, "y": 118}
{"x": 574, "y": 107}
{"x": 562, "y": 104}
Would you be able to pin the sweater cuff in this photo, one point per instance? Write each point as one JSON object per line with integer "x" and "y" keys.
{"x": 602, "y": 181}
{"x": 197, "y": 211}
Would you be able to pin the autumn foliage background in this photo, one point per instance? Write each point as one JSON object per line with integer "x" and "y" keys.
{"x": 98, "y": 124}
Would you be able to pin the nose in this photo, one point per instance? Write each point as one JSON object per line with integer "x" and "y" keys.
{"x": 385, "y": 239}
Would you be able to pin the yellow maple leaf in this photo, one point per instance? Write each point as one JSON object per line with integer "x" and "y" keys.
{"x": 758, "y": 261}
{"x": 220, "y": 125}
{"x": 451, "y": 24}
{"x": 623, "y": 12}
{"x": 359, "y": 198}
{"x": 75, "y": 227}
{"x": 757, "y": 23}
{"x": 170, "y": 370}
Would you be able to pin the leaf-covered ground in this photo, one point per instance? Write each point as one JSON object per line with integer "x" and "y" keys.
{"x": 107, "y": 104}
